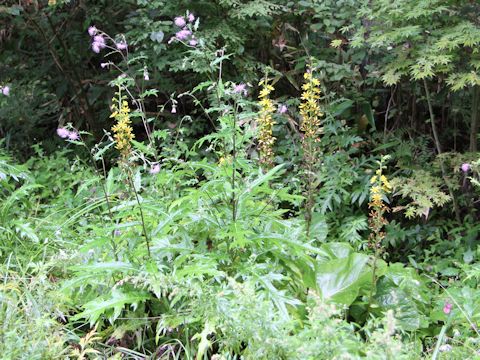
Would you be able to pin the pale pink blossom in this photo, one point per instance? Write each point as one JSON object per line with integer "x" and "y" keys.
{"x": 193, "y": 42}
{"x": 73, "y": 135}
{"x": 95, "y": 47}
{"x": 92, "y": 31}
{"x": 6, "y": 90}
{"x": 180, "y": 21}
{"x": 191, "y": 18}
{"x": 447, "y": 308}
{"x": 282, "y": 109}
{"x": 183, "y": 34}
{"x": 122, "y": 45}
{"x": 240, "y": 89}
{"x": 62, "y": 132}
{"x": 465, "y": 167}
{"x": 155, "y": 169}
{"x": 99, "y": 39}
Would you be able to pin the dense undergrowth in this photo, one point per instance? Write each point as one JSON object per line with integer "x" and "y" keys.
{"x": 256, "y": 211}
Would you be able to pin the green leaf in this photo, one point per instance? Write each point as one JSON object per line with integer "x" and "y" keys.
{"x": 403, "y": 291}
{"x": 205, "y": 343}
{"x": 143, "y": 148}
{"x": 343, "y": 274}
{"x": 116, "y": 302}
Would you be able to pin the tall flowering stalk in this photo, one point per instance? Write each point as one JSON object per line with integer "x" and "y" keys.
{"x": 311, "y": 115}
{"x": 122, "y": 130}
{"x": 379, "y": 190}
{"x": 123, "y": 134}
{"x": 265, "y": 123}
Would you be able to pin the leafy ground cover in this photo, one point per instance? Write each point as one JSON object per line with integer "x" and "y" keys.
{"x": 184, "y": 194}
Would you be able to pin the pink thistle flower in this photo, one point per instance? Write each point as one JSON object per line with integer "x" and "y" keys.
{"x": 240, "y": 89}
{"x": 183, "y": 34}
{"x": 191, "y": 18}
{"x": 193, "y": 42}
{"x": 6, "y": 90}
{"x": 95, "y": 47}
{"x": 180, "y": 21}
{"x": 155, "y": 169}
{"x": 92, "y": 31}
{"x": 282, "y": 109}
{"x": 73, "y": 135}
{"x": 62, "y": 132}
{"x": 100, "y": 40}
{"x": 447, "y": 308}
{"x": 122, "y": 45}
{"x": 465, "y": 167}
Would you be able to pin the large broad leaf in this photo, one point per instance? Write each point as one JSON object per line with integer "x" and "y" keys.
{"x": 342, "y": 274}
{"x": 319, "y": 227}
{"x": 404, "y": 292}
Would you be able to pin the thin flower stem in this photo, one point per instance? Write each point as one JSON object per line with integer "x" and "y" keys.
{"x": 439, "y": 341}
{"x": 132, "y": 185}
{"x": 105, "y": 194}
{"x": 374, "y": 274}
{"x": 234, "y": 154}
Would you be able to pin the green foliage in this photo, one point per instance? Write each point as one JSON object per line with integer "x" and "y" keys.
{"x": 179, "y": 243}
{"x": 29, "y": 309}
{"x": 423, "y": 189}
{"x": 342, "y": 274}
{"x": 419, "y": 47}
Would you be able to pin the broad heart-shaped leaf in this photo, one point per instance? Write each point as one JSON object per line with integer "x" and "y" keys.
{"x": 404, "y": 292}
{"x": 111, "y": 306}
{"x": 342, "y": 273}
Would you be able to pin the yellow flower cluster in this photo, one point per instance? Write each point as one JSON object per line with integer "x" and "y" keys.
{"x": 265, "y": 122}
{"x": 123, "y": 132}
{"x": 380, "y": 186}
{"x": 310, "y": 107}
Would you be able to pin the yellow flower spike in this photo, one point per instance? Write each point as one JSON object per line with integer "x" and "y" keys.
{"x": 123, "y": 132}
{"x": 265, "y": 123}
{"x": 385, "y": 183}
{"x": 310, "y": 108}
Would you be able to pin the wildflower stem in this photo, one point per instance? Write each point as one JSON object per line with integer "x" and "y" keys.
{"x": 105, "y": 194}
{"x": 311, "y": 114}
{"x": 381, "y": 187}
{"x": 132, "y": 185}
{"x": 439, "y": 341}
{"x": 234, "y": 158}
{"x": 374, "y": 274}
{"x": 107, "y": 199}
